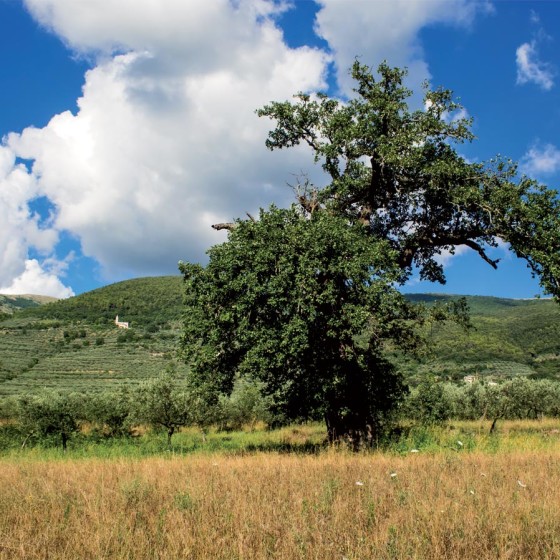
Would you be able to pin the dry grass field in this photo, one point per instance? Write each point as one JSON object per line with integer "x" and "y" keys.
{"x": 331, "y": 505}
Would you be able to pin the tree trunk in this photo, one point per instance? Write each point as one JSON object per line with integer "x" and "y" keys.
{"x": 333, "y": 428}
{"x": 26, "y": 439}
{"x": 64, "y": 437}
{"x": 170, "y": 432}
{"x": 353, "y": 430}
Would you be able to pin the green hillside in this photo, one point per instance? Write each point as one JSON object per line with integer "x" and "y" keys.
{"x": 142, "y": 302}
{"x": 74, "y": 344}
{"x": 510, "y": 337}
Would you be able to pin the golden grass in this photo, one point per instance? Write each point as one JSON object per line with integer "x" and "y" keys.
{"x": 331, "y": 506}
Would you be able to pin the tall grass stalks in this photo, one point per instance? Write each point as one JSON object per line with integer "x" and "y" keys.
{"x": 334, "y": 505}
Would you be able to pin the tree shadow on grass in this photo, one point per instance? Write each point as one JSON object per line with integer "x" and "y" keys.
{"x": 301, "y": 448}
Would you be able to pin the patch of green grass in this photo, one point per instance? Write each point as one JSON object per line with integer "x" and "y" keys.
{"x": 452, "y": 439}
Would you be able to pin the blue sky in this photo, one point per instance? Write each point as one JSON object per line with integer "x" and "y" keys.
{"x": 128, "y": 126}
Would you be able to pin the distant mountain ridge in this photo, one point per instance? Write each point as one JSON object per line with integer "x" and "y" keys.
{"x": 9, "y": 304}
{"x": 73, "y": 344}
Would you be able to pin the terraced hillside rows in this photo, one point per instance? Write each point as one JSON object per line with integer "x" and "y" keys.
{"x": 74, "y": 344}
{"x": 88, "y": 365}
{"x": 21, "y": 350}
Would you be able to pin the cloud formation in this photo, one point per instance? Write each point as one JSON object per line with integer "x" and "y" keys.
{"x": 165, "y": 141}
{"x": 35, "y": 279}
{"x": 531, "y": 69}
{"x": 541, "y": 160}
{"x": 376, "y": 31}
{"x": 21, "y": 228}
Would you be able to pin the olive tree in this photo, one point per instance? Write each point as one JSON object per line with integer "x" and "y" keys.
{"x": 111, "y": 411}
{"x": 166, "y": 402}
{"x": 51, "y": 413}
{"x": 161, "y": 403}
{"x": 430, "y": 403}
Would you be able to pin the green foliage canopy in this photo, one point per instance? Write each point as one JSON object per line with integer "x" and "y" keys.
{"x": 163, "y": 403}
{"x": 51, "y": 413}
{"x": 166, "y": 402}
{"x": 397, "y": 171}
{"x": 303, "y": 304}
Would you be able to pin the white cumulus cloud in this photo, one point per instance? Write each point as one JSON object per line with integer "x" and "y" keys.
{"x": 541, "y": 160}
{"x": 531, "y": 69}
{"x": 20, "y": 228}
{"x": 165, "y": 140}
{"x": 36, "y": 280}
{"x": 446, "y": 256}
{"x": 376, "y": 31}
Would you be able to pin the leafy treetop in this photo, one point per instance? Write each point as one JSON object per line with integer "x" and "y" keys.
{"x": 397, "y": 171}
{"x": 304, "y": 300}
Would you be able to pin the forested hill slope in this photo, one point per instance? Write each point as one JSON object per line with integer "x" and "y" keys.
{"x": 510, "y": 337}
{"x": 142, "y": 302}
{"x": 486, "y": 305}
{"x": 10, "y": 304}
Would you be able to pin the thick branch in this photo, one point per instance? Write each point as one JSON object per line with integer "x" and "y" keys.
{"x": 408, "y": 253}
{"x": 406, "y": 257}
{"x": 309, "y": 202}
{"x": 230, "y": 226}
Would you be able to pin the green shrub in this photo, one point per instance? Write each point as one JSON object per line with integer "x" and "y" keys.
{"x": 430, "y": 403}
{"x": 245, "y": 406}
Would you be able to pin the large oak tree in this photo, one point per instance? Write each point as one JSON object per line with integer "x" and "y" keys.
{"x": 305, "y": 299}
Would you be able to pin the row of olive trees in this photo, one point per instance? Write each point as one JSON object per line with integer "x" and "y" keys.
{"x": 164, "y": 403}
{"x": 518, "y": 398}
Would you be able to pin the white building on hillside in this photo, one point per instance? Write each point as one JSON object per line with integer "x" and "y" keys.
{"x": 120, "y": 324}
